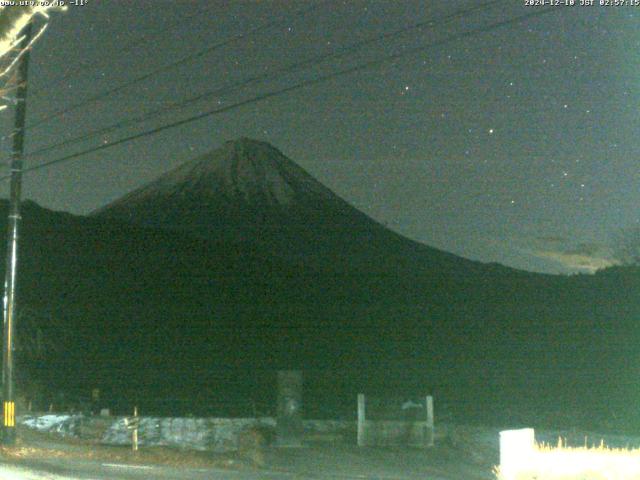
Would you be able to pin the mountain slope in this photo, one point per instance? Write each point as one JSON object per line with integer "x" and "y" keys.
{"x": 247, "y": 192}
{"x": 243, "y": 184}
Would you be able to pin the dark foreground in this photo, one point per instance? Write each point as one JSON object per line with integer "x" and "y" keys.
{"x": 463, "y": 454}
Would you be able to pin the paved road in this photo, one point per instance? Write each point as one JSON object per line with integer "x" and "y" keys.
{"x": 63, "y": 469}
{"x": 313, "y": 462}
{"x": 59, "y": 469}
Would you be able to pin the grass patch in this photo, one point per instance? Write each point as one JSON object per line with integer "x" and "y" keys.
{"x": 562, "y": 462}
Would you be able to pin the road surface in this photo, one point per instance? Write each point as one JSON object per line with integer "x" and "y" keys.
{"x": 58, "y": 469}
{"x": 305, "y": 463}
{"x": 463, "y": 454}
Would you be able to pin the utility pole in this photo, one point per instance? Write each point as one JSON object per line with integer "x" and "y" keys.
{"x": 8, "y": 400}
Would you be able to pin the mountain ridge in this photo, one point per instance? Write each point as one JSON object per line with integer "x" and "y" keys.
{"x": 245, "y": 170}
{"x": 248, "y": 191}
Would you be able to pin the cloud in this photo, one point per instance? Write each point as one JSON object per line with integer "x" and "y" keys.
{"x": 588, "y": 261}
{"x": 584, "y": 257}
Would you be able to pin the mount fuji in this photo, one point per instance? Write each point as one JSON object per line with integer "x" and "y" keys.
{"x": 247, "y": 192}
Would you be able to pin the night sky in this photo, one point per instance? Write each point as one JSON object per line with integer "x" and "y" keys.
{"x": 516, "y": 145}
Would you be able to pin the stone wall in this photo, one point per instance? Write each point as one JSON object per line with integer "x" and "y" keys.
{"x": 213, "y": 434}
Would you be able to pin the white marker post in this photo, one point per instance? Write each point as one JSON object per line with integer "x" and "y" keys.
{"x": 134, "y": 435}
{"x": 430, "y": 428}
{"x": 132, "y": 423}
{"x": 361, "y": 419}
{"x": 517, "y": 449}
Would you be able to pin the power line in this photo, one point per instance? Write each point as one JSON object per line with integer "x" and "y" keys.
{"x": 266, "y": 76}
{"x": 165, "y": 68}
{"x": 135, "y": 44}
{"x": 294, "y": 87}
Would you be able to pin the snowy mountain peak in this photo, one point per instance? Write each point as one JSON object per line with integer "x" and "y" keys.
{"x": 253, "y": 171}
{"x": 248, "y": 193}
{"x": 241, "y": 174}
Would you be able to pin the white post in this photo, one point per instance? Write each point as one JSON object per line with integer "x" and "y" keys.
{"x": 516, "y": 451}
{"x": 361, "y": 419}
{"x": 134, "y": 434}
{"x": 430, "y": 428}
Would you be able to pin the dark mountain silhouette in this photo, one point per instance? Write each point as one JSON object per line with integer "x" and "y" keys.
{"x": 201, "y": 284}
{"x": 247, "y": 192}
